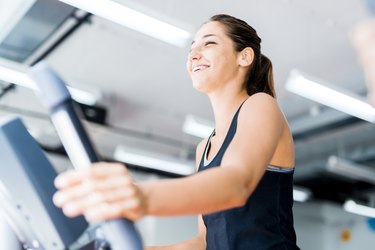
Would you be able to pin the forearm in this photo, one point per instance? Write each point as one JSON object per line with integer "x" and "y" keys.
{"x": 205, "y": 192}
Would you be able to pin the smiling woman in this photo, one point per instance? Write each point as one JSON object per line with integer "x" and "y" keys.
{"x": 259, "y": 77}
{"x": 242, "y": 192}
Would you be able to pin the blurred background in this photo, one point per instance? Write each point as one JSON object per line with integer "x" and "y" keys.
{"x": 129, "y": 78}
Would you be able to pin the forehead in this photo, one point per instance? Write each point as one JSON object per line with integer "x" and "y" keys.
{"x": 214, "y": 28}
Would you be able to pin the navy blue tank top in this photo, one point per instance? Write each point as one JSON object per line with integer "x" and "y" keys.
{"x": 265, "y": 222}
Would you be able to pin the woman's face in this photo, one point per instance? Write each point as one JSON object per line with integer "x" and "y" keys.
{"x": 212, "y": 61}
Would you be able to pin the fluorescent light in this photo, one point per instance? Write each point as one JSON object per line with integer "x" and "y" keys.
{"x": 132, "y": 19}
{"x": 301, "y": 194}
{"x": 350, "y": 169}
{"x": 331, "y": 96}
{"x": 197, "y": 128}
{"x": 10, "y": 13}
{"x": 153, "y": 161}
{"x": 14, "y": 73}
{"x": 352, "y": 207}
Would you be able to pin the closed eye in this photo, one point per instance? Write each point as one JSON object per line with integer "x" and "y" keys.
{"x": 205, "y": 44}
{"x": 209, "y": 43}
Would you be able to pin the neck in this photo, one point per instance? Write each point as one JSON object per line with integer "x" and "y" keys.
{"x": 225, "y": 105}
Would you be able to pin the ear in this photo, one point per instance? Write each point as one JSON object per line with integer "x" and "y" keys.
{"x": 246, "y": 57}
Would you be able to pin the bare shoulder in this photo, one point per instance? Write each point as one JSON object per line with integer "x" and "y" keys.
{"x": 263, "y": 118}
{"x": 262, "y": 104}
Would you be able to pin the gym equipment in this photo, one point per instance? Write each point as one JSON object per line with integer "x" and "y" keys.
{"x": 120, "y": 233}
{"x": 26, "y": 190}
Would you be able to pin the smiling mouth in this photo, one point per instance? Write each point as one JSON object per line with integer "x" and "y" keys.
{"x": 200, "y": 67}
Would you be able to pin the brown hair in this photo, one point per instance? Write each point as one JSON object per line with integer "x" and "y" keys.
{"x": 260, "y": 76}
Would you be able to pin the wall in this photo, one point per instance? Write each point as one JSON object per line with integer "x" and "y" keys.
{"x": 326, "y": 226}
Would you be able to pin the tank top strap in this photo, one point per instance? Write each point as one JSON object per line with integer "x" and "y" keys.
{"x": 233, "y": 127}
{"x": 206, "y": 148}
{"x": 216, "y": 160}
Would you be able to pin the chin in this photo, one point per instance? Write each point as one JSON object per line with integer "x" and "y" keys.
{"x": 199, "y": 86}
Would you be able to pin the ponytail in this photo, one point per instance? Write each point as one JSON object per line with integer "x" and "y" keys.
{"x": 260, "y": 78}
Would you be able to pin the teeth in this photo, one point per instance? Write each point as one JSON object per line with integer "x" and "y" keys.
{"x": 199, "y": 67}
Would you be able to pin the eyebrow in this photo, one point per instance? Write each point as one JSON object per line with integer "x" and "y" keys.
{"x": 205, "y": 36}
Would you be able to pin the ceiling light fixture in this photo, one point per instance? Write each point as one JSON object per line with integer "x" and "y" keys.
{"x": 15, "y": 73}
{"x": 355, "y": 208}
{"x": 132, "y": 19}
{"x": 330, "y": 95}
{"x": 350, "y": 169}
{"x": 153, "y": 161}
{"x": 196, "y": 127}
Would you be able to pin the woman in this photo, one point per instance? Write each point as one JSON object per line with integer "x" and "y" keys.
{"x": 243, "y": 187}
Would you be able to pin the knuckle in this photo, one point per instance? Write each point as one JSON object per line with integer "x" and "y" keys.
{"x": 121, "y": 168}
{"x": 137, "y": 204}
{"x": 131, "y": 192}
{"x": 125, "y": 181}
{"x": 96, "y": 197}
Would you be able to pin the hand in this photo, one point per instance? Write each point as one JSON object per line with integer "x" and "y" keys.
{"x": 104, "y": 191}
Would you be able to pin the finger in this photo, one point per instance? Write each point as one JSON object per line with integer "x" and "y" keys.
{"x": 107, "y": 191}
{"x": 112, "y": 196}
{"x": 103, "y": 169}
{"x": 78, "y": 191}
{"x": 130, "y": 209}
{"x": 97, "y": 170}
{"x": 118, "y": 186}
{"x": 101, "y": 213}
{"x": 77, "y": 200}
{"x": 68, "y": 178}
{"x": 118, "y": 195}
{"x": 78, "y": 206}
{"x": 72, "y": 209}
{"x": 124, "y": 202}
{"x": 108, "y": 183}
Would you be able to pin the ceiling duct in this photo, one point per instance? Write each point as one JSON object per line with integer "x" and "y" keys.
{"x": 24, "y": 35}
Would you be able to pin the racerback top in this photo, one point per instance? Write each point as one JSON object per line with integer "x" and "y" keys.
{"x": 265, "y": 222}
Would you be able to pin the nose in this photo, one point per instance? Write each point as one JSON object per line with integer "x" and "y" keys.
{"x": 194, "y": 54}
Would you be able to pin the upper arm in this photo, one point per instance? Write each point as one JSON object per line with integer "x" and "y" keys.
{"x": 259, "y": 128}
